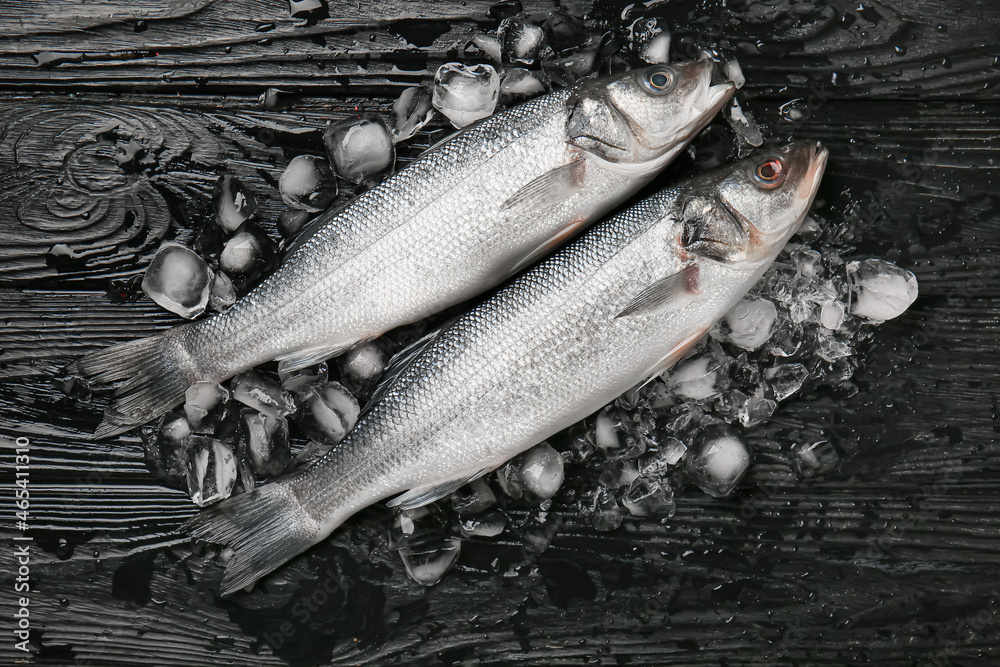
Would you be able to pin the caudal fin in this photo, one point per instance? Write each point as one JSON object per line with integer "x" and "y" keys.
{"x": 265, "y": 528}
{"x": 154, "y": 381}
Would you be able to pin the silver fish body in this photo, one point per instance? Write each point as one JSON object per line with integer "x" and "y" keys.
{"x": 470, "y": 213}
{"x": 614, "y": 308}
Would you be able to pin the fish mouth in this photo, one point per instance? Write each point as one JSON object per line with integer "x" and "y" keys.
{"x": 817, "y": 167}
{"x": 715, "y": 96}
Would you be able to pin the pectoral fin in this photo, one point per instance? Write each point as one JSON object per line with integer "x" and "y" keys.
{"x": 397, "y": 365}
{"x": 563, "y": 235}
{"x": 549, "y": 188}
{"x": 662, "y": 292}
{"x": 294, "y": 361}
{"x": 415, "y": 498}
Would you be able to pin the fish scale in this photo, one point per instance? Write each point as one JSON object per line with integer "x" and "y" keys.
{"x": 562, "y": 340}
{"x": 456, "y": 222}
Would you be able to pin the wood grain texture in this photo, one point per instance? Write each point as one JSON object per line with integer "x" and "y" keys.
{"x": 890, "y": 48}
{"x": 892, "y": 558}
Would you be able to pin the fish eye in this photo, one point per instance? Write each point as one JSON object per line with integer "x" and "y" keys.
{"x": 659, "y": 80}
{"x": 769, "y": 174}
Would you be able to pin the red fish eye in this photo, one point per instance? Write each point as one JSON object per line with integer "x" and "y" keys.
{"x": 770, "y": 174}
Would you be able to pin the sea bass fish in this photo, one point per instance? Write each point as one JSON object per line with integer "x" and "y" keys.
{"x": 461, "y": 219}
{"x": 618, "y": 306}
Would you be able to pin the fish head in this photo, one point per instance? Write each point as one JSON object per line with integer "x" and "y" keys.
{"x": 744, "y": 213}
{"x": 638, "y": 117}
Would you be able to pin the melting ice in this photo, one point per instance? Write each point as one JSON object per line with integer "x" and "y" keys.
{"x": 465, "y": 93}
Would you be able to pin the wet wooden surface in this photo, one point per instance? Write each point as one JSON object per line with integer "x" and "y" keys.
{"x": 115, "y": 121}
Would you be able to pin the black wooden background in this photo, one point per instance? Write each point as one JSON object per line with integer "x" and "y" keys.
{"x": 115, "y": 121}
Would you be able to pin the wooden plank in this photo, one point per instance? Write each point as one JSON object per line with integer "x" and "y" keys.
{"x": 887, "y": 49}
{"x": 892, "y": 558}
{"x": 103, "y": 184}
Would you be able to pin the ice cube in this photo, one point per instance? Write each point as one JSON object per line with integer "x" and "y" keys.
{"x": 673, "y": 450}
{"x": 564, "y": 31}
{"x": 537, "y": 532}
{"x": 166, "y": 449}
{"x": 262, "y": 393}
{"x": 292, "y": 380}
{"x": 734, "y": 73}
{"x": 605, "y": 432}
{"x": 815, "y": 458}
{"x": 881, "y": 290}
{"x": 646, "y": 497}
{"x": 787, "y": 338}
{"x": 326, "y": 411}
{"x": 801, "y": 310}
{"x": 744, "y": 125}
{"x": 308, "y": 183}
{"x": 489, "y": 524}
{"x": 473, "y": 498}
{"x": 361, "y": 150}
{"x": 361, "y": 368}
{"x": 211, "y": 470}
{"x": 520, "y": 40}
{"x": 414, "y": 526}
{"x": 831, "y": 315}
{"x": 534, "y": 475}
{"x": 650, "y": 39}
{"x": 757, "y": 409}
{"x": 786, "y": 379}
{"x": 567, "y": 70}
{"x": 411, "y": 112}
{"x": 606, "y": 515}
{"x": 831, "y": 348}
{"x": 718, "y": 460}
{"x": 234, "y": 202}
{"x": 290, "y": 222}
{"x": 617, "y": 474}
{"x": 520, "y": 84}
{"x": 248, "y": 251}
{"x": 203, "y": 403}
{"x": 267, "y": 442}
{"x": 696, "y": 379}
{"x": 428, "y": 563}
{"x": 223, "y": 294}
{"x": 810, "y": 230}
{"x": 487, "y": 46}
{"x": 808, "y": 263}
{"x": 749, "y": 323}
{"x": 178, "y": 280}
{"x": 465, "y": 93}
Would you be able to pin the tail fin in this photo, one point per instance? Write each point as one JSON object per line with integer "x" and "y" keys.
{"x": 265, "y": 528}
{"x": 154, "y": 380}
